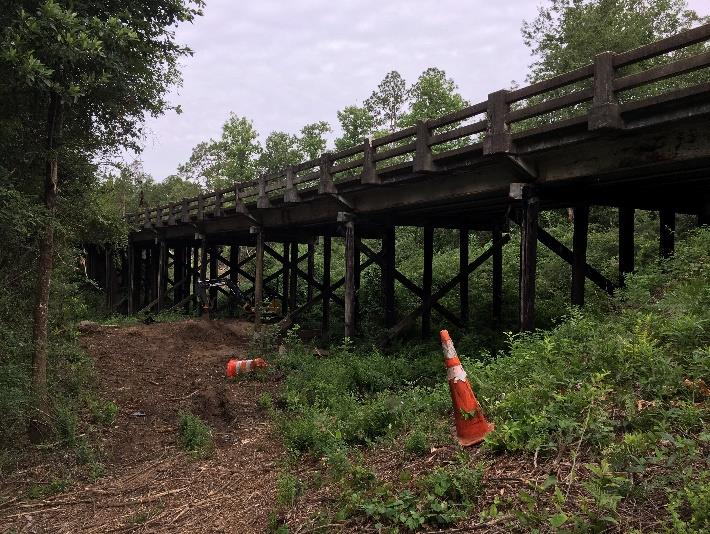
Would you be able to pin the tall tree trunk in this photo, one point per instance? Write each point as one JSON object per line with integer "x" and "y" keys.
{"x": 39, "y": 420}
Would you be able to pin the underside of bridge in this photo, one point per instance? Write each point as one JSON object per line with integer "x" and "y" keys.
{"x": 576, "y": 141}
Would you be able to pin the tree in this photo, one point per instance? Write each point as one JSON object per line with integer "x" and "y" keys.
{"x": 386, "y": 102}
{"x": 566, "y": 34}
{"x": 232, "y": 158}
{"x": 431, "y": 96}
{"x": 281, "y": 149}
{"x": 312, "y": 141}
{"x": 356, "y": 123}
{"x": 92, "y": 71}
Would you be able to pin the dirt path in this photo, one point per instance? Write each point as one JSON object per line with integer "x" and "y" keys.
{"x": 152, "y": 372}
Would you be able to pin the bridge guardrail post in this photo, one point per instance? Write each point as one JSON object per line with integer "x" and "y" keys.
{"x": 604, "y": 113}
{"x": 498, "y": 139}
{"x": 146, "y": 222}
{"x": 291, "y": 192}
{"x": 185, "y": 211}
{"x": 262, "y": 201}
{"x": 423, "y": 157}
{"x": 326, "y": 184}
{"x": 369, "y": 171}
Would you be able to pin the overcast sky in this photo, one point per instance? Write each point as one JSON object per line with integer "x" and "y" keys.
{"x": 285, "y": 63}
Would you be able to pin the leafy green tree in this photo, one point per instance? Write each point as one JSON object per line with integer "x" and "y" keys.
{"x": 356, "y": 123}
{"x": 385, "y": 104}
{"x": 312, "y": 141}
{"x": 433, "y": 95}
{"x": 91, "y": 72}
{"x": 231, "y": 158}
{"x": 281, "y": 149}
{"x": 566, "y": 34}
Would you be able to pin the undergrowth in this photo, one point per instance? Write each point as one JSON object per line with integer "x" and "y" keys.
{"x": 619, "y": 391}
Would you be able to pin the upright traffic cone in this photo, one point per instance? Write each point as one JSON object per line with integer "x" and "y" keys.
{"x": 236, "y": 367}
{"x": 471, "y": 425}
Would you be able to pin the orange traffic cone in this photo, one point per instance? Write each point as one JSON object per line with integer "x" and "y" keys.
{"x": 471, "y": 425}
{"x": 236, "y": 367}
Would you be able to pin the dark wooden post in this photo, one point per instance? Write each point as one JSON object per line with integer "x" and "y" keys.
{"x": 133, "y": 267}
{"x": 286, "y": 280}
{"x": 293, "y": 290}
{"x": 388, "y": 267}
{"x": 350, "y": 278}
{"x": 667, "y": 232}
{"x": 178, "y": 272}
{"x": 214, "y": 274}
{"x": 358, "y": 277}
{"x": 325, "y": 319}
{"x": 528, "y": 257}
{"x": 203, "y": 272}
{"x": 108, "y": 277}
{"x": 463, "y": 266}
{"x": 497, "y": 276}
{"x": 162, "y": 274}
{"x": 258, "y": 278}
{"x": 233, "y": 262}
{"x": 154, "y": 272}
{"x": 626, "y": 242}
{"x": 195, "y": 274}
{"x": 427, "y": 279}
{"x": 423, "y": 157}
{"x": 310, "y": 270}
{"x": 579, "y": 253}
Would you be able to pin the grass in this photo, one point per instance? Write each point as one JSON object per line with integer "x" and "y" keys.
{"x": 194, "y": 435}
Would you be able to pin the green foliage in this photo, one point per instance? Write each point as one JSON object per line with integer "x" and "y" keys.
{"x": 433, "y": 95}
{"x": 386, "y": 102}
{"x": 690, "y": 507}
{"x": 103, "y": 412}
{"x": 356, "y": 124}
{"x": 288, "y": 488}
{"x": 566, "y": 34}
{"x": 440, "y": 498}
{"x": 42, "y": 491}
{"x": 194, "y": 435}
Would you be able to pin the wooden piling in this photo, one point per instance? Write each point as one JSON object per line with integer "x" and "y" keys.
{"x": 528, "y": 260}
{"x": 258, "y": 279}
{"x": 579, "y": 254}
{"x": 350, "y": 279}
{"x": 325, "y": 319}
{"x": 497, "y": 277}
{"x": 388, "y": 267}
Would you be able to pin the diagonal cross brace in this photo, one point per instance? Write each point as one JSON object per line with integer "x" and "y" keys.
{"x": 443, "y": 290}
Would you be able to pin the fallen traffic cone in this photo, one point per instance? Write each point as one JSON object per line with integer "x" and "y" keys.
{"x": 236, "y": 367}
{"x": 471, "y": 425}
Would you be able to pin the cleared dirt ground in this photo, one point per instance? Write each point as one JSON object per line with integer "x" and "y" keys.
{"x": 150, "y": 485}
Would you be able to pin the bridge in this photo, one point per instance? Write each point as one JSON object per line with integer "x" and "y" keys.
{"x": 630, "y": 131}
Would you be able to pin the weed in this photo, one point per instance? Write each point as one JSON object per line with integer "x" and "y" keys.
{"x": 194, "y": 435}
{"x": 42, "y": 491}
{"x": 288, "y": 487}
{"x": 103, "y": 413}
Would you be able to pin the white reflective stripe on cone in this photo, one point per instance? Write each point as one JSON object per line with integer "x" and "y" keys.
{"x": 449, "y": 350}
{"x": 456, "y": 373}
{"x": 248, "y": 365}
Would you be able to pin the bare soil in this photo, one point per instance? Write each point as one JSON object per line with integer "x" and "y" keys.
{"x": 150, "y": 485}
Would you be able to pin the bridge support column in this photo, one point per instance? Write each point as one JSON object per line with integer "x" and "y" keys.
{"x": 325, "y": 319}
{"x": 178, "y": 272}
{"x": 258, "y": 278}
{"x": 310, "y": 271}
{"x": 579, "y": 253}
{"x": 528, "y": 259}
{"x": 427, "y": 280}
{"x": 388, "y": 267}
{"x": 293, "y": 290}
{"x": 214, "y": 273}
{"x": 195, "y": 277}
{"x": 109, "y": 277}
{"x": 626, "y": 242}
{"x": 162, "y": 271}
{"x": 203, "y": 269}
{"x": 286, "y": 280}
{"x": 350, "y": 278}
{"x": 666, "y": 218}
{"x": 463, "y": 265}
{"x": 497, "y": 277}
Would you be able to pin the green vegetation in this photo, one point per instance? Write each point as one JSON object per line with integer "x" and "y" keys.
{"x": 194, "y": 435}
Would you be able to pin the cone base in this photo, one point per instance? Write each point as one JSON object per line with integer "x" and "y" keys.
{"x": 467, "y": 442}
